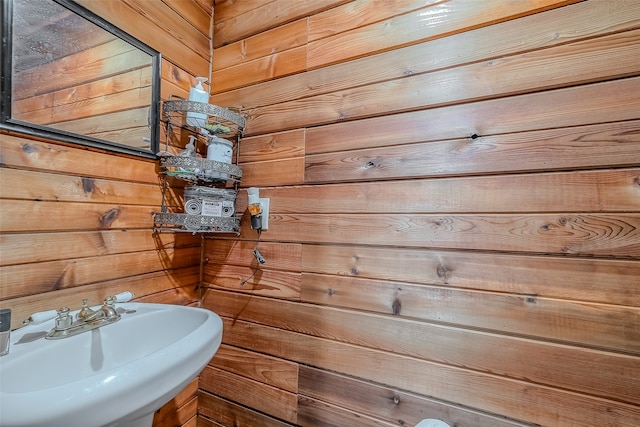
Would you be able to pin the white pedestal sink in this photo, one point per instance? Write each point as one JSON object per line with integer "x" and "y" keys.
{"x": 114, "y": 376}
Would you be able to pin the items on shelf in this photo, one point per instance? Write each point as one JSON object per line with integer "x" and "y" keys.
{"x": 209, "y": 205}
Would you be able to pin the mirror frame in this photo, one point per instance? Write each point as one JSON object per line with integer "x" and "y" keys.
{"x": 31, "y": 129}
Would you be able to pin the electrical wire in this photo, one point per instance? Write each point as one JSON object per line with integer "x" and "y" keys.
{"x": 258, "y": 257}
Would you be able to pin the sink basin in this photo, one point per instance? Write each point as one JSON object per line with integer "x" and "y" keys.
{"x": 117, "y": 375}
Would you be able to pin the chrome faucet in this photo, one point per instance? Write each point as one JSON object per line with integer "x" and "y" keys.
{"x": 5, "y": 330}
{"x": 87, "y": 319}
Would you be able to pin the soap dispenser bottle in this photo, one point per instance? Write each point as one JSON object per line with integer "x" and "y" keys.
{"x": 189, "y": 151}
{"x": 198, "y": 94}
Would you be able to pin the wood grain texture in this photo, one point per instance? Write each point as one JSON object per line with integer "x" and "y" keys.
{"x": 177, "y": 286}
{"x": 562, "y": 25}
{"x": 532, "y": 151}
{"x": 594, "y": 191}
{"x": 281, "y": 256}
{"x": 266, "y": 282}
{"x": 570, "y": 234}
{"x": 68, "y": 188}
{"x": 580, "y": 279}
{"x": 234, "y": 23}
{"x": 39, "y": 247}
{"x": 597, "y": 60}
{"x": 467, "y": 211}
{"x": 19, "y": 215}
{"x": 391, "y": 405}
{"x": 435, "y": 20}
{"x": 229, "y": 413}
{"x": 160, "y": 28}
{"x": 278, "y": 64}
{"x": 55, "y": 275}
{"x": 279, "y": 39}
{"x": 273, "y": 173}
{"x": 556, "y": 365}
{"x": 545, "y": 405}
{"x": 31, "y": 154}
{"x": 197, "y": 13}
{"x": 313, "y": 412}
{"x": 179, "y": 410}
{"x": 75, "y": 221}
{"x": 598, "y": 325}
{"x": 276, "y": 146}
{"x": 267, "y": 399}
{"x": 269, "y": 370}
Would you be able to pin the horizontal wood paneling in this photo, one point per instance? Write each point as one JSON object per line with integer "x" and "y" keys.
{"x": 614, "y": 190}
{"x": 561, "y": 110}
{"x": 277, "y": 65}
{"x": 197, "y": 13}
{"x": 600, "y": 145}
{"x": 179, "y": 410}
{"x": 39, "y": 247}
{"x": 177, "y": 286}
{"x": 68, "y": 188}
{"x": 445, "y": 344}
{"x": 435, "y": 20}
{"x": 598, "y": 325}
{"x": 31, "y": 154}
{"x": 160, "y": 28}
{"x": 279, "y": 39}
{"x": 230, "y": 413}
{"x": 269, "y": 370}
{"x": 571, "y": 234}
{"x": 545, "y": 405}
{"x": 454, "y": 204}
{"x": 76, "y": 222}
{"x": 27, "y": 215}
{"x": 386, "y": 404}
{"x": 312, "y": 411}
{"x": 567, "y": 24}
{"x": 518, "y": 74}
{"x": 53, "y": 275}
{"x": 589, "y": 279}
{"x": 267, "y": 399}
{"x": 233, "y": 23}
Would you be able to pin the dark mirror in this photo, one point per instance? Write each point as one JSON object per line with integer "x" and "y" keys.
{"x": 71, "y": 76}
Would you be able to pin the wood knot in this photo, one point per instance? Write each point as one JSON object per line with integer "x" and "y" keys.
{"x": 442, "y": 272}
{"x": 88, "y": 184}
{"x": 354, "y": 271}
{"x": 330, "y": 292}
{"x": 475, "y": 136}
{"x": 396, "y": 400}
{"x": 531, "y": 300}
{"x": 563, "y": 221}
{"x": 107, "y": 218}
{"x": 28, "y": 148}
{"x": 396, "y": 307}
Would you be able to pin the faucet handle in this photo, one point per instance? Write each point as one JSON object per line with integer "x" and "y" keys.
{"x": 123, "y": 296}
{"x": 85, "y": 312}
{"x": 40, "y": 317}
{"x": 109, "y": 309}
{"x": 64, "y": 319}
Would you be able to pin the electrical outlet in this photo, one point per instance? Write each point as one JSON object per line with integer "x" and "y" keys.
{"x": 264, "y": 204}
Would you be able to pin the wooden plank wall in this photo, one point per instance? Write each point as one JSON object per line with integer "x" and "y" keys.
{"x": 76, "y": 223}
{"x": 455, "y": 214}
